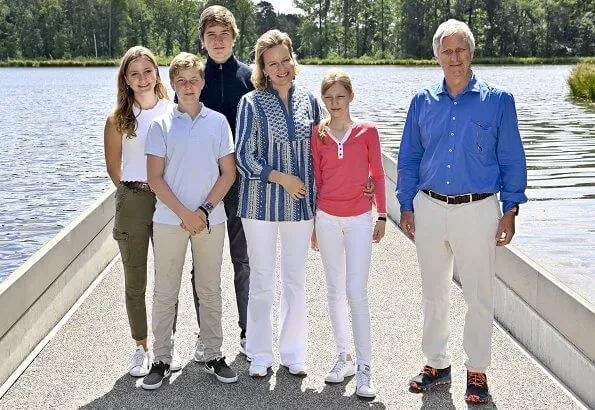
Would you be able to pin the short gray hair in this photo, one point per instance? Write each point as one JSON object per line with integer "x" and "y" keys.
{"x": 450, "y": 27}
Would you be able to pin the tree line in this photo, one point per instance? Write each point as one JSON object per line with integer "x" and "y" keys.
{"x": 59, "y": 29}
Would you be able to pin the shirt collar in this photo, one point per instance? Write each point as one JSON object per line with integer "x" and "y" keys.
{"x": 231, "y": 62}
{"x": 291, "y": 89}
{"x": 201, "y": 114}
{"x": 473, "y": 86}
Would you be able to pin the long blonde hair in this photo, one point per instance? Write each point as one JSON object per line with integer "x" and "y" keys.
{"x": 125, "y": 118}
{"x": 331, "y": 78}
{"x": 267, "y": 41}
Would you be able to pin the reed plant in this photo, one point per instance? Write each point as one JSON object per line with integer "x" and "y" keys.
{"x": 582, "y": 82}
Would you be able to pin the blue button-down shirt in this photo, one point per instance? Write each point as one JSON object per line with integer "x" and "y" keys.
{"x": 464, "y": 144}
{"x": 270, "y": 137}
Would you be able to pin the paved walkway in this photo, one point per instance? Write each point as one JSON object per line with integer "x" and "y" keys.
{"x": 84, "y": 364}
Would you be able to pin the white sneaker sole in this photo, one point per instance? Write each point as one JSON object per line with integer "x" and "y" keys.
{"x": 155, "y": 386}
{"x": 350, "y": 373}
{"x": 257, "y": 374}
{"x": 366, "y": 395}
{"x": 222, "y": 379}
{"x": 138, "y": 371}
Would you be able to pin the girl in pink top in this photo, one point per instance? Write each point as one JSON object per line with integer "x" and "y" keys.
{"x": 345, "y": 154}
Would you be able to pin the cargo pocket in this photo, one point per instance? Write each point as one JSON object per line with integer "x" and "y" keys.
{"x": 123, "y": 244}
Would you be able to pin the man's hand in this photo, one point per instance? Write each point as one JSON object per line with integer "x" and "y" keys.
{"x": 369, "y": 189}
{"x": 505, "y": 229}
{"x": 194, "y": 222}
{"x": 314, "y": 241}
{"x": 407, "y": 223}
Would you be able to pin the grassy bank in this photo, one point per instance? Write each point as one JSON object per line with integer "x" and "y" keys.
{"x": 478, "y": 60}
{"x": 88, "y": 62}
{"x": 582, "y": 82}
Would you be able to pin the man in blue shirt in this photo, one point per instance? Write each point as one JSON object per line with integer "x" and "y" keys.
{"x": 460, "y": 146}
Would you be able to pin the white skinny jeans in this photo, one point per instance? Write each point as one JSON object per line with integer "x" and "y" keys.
{"x": 261, "y": 237}
{"x": 346, "y": 250}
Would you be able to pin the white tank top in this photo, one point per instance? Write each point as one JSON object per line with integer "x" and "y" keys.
{"x": 134, "y": 160}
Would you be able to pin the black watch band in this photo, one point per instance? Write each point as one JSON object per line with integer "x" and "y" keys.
{"x": 202, "y": 208}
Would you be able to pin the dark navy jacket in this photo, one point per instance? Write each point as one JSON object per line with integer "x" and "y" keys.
{"x": 225, "y": 84}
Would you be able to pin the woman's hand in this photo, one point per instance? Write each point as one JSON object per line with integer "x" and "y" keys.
{"x": 314, "y": 241}
{"x": 379, "y": 229}
{"x": 293, "y": 186}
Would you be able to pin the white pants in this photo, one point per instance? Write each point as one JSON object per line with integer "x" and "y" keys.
{"x": 261, "y": 237}
{"x": 170, "y": 243}
{"x": 464, "y": 236}
{"x": 346, "y": 250}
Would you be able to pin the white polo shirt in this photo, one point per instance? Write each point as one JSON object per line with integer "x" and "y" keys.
{"x": 191, "y": 149}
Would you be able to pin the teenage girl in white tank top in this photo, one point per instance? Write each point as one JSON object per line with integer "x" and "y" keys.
{"x": 142, "y": 97}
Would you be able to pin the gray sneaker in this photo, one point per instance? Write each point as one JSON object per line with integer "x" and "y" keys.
{"x": 221, "y": 370}
{"x": 199, "y": 351}
{"x": 154, "y": 379}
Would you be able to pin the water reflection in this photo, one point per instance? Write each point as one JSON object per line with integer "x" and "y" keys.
{"x": 53, "y": 168}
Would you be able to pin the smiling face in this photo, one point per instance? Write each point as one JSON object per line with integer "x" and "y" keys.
{"x": 454, "y": 56}
{"x": 141, "y": 76}
{"x": 188, "y": 84}
{"x": 279, "y": 66}
{"x": 337, "y": 99}
{"x": 219, "y": 40}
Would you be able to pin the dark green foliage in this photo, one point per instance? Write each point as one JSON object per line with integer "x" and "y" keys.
{"x": 374, "y": 29}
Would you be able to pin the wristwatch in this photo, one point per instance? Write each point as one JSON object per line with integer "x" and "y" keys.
{"x": 208, "y": 206}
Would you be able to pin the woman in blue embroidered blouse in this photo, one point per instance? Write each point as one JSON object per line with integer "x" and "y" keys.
{"x": 274, "y": 125}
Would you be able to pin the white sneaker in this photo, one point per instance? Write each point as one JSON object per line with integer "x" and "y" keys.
{"x": 298, "y": 369}
{"x": 364, "y": 382}
{"x": 176, "y": 363}
{"x": 343, "y": 368}
{"x": 199, "y": 351}
{"x": 257, "y": 371}
{"x": 139, "y": 362}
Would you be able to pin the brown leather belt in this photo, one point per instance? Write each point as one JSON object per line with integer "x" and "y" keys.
{"x": 142, "y": 186}
{"x": 457, "y": 199}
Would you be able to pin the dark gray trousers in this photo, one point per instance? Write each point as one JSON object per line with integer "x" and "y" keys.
{"x": 239, "y": 257}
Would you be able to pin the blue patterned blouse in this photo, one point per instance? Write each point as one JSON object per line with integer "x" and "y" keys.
{"x": 268, "y": 138}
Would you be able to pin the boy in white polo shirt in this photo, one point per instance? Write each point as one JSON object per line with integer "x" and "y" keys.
{"x": 190, "y": 167}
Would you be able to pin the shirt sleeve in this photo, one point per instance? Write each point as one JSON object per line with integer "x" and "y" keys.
{"x": 376, "y": 168}
{"x": 248, "y": 141}
{"x": 410, "y": 154}
{"x": 511, "y": 156}
{"x": 226, "y": 145}
{"x": 155, "y": 143}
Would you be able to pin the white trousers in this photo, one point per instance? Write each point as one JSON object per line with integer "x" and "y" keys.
{"x": 261, "y": 237}
{"x": 170, "y": 243}
{"x": 346, "y": 250}
{"x": 463, "y": 236}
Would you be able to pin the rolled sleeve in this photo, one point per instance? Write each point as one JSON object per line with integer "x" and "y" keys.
{"x": 250, "y": 164}
{"x": 511, "y": 157}
{"x": 409, "y": 160}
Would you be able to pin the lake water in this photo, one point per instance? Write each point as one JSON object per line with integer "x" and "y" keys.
{"x": 52, "y": 166}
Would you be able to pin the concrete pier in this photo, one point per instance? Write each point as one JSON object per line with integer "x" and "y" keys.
{"x": 84, "y": 362}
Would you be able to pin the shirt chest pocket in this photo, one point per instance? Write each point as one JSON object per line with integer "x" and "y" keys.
{"x": 483, "y": 140}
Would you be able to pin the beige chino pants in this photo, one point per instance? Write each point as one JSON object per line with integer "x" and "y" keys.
{"x": 170, "y": 244}
{"x": 462, "y": 236}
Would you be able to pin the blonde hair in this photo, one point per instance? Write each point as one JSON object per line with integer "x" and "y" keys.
{"x": 124, "y": 114}
{"x": 217, "y": 15}
{"x": 265, "y": 42}
{"x": 185, "y": 61}
{"x": 331, "y": 78}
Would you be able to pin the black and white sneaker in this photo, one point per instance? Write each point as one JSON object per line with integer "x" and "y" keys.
{"x": 221, "y": 370}
{"x": 154, "y": 379}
